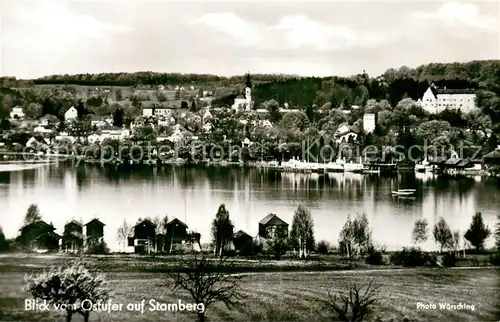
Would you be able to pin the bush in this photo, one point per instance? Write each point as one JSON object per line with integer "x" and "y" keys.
{"x": 68, "y": 287}
{"x": 323, "y": 247}
{"x": 252, "y": 248}
{"x": 375, "y": 257}
{"x": 98, "y": 248}
{"x": 494, "y": 259}
{"x": 354, "y": 305}
{"x": 410, "y": 257}
{"x": 449, "y": 260}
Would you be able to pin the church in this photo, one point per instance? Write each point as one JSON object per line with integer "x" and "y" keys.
{"x": 244, "y": 100}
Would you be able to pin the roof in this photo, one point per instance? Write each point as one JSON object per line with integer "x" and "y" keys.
{"x": 146, "y": 221}
{"x": 110, "y": 128}
{"x": 437, "y": 160}
{"x": 453, "y": 161}
{"x": 97, "y": 221}
{"x": 464, "y": 163}
{"x": 272, "y": 218}
{"x": 350, "y": 128}
{"x": 437, "y": 91}
{"x": 49, "y": 233}
{"x": 240, "y": 97}
{"x": 94, "y": 117}
{"x": 178, "y": 222}
{"x": 241, "y": 233}
{"x": 47, "y": 116}
{"x": 39, "y": 223}
{"x": 74, "y": 222}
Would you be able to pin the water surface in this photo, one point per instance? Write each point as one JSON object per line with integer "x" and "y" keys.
{"x": 193, "y": 195}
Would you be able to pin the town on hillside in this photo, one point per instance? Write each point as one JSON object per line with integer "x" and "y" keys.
{"x": 453, "y": 127}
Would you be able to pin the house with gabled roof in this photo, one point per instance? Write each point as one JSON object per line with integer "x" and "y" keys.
{"x": 144, "y": 237}
{"x": 273, "y": 226}
{"x": 73, "y": 238}
{"x": 241, "y": 240}
{"x": 71, "y": 114}
{"x": 39, "y": 236}
{"x": 346, "y": 133}
{"x": 94, "y": 232}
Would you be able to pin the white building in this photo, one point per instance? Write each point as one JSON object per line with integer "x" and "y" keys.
{"x": 32, "y": 142}
{"x": 346, "y": 133}
{"x": 437, "y": 100}
{"x": 114, "y": 133}
{"x": 177, "y": 135}
{"x": 369, "y": 122}
{"x": 41, "y": 129}
{"x": 17, "y": 113}
{"x": 244, "y": 101}
{"x": 71, "y": 114}
{"x": 151, "y": 111}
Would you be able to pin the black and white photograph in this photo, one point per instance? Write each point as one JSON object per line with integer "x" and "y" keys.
{"x": 249, "y": 160}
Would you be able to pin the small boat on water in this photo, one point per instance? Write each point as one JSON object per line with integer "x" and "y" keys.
{"x": 404, "y": 192}
{"x": 424, "y": 166}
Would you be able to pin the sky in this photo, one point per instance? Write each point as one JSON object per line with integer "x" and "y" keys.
{"x": 319, "y": 38}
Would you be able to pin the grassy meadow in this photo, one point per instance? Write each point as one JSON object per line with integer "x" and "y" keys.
{"x": 275, "y": 296}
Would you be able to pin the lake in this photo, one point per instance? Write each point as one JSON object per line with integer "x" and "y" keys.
{"x": 193, "y": 194}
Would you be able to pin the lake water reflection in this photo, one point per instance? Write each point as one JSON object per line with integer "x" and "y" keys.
{"x": 193, "y": 195}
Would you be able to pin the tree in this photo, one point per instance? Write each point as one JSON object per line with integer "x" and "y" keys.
{"x": 32, "y": 215}
{"x": 123, "y": 233}
{"x": 361, "y": 232}
{"x": 68, "y": 287}
{"x": 161, "y": 230}
{"x": 193, "y": 107}
{"x": 33, "y": 110}
{"x": 161, "y": 97}
{"x": 273, "y": 108}
{"x": 118, "y": 117}
{"x": 222, "y": 230}
{"x": 302, "y": 232}
{"x": 81, "y": 110}
{"x": 442, "y": 234}
{"x": 420, "y": 231}
{"x": 346, "y": 239}
{"x": 497, "y": 233}
{"x": 455, "y": 243}
{"x": 277, "y": 246}
{"x": 207, "y": 282}
{"x": 4, "y": 245}
{"x": 477, "y": 232}
{"x": 323, "y": 247}
{"x": 184, "y": 105}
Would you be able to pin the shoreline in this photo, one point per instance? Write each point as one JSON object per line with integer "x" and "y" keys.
{"x": 55, "y": 159}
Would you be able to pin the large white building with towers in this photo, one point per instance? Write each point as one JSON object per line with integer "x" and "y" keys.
{"x": 244, "y": 100}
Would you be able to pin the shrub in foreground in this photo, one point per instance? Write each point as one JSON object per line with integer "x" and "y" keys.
{"x": 67, "y": 287}
{"x": 355, "y": 304}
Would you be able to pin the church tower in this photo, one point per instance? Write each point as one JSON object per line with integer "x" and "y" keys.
{"x": 248, "y": 92}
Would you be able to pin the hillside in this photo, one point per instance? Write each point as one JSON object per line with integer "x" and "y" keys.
{"x": 393, "y": 85}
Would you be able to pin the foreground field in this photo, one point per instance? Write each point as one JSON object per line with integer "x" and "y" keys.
{"x": 292, "y": 296}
